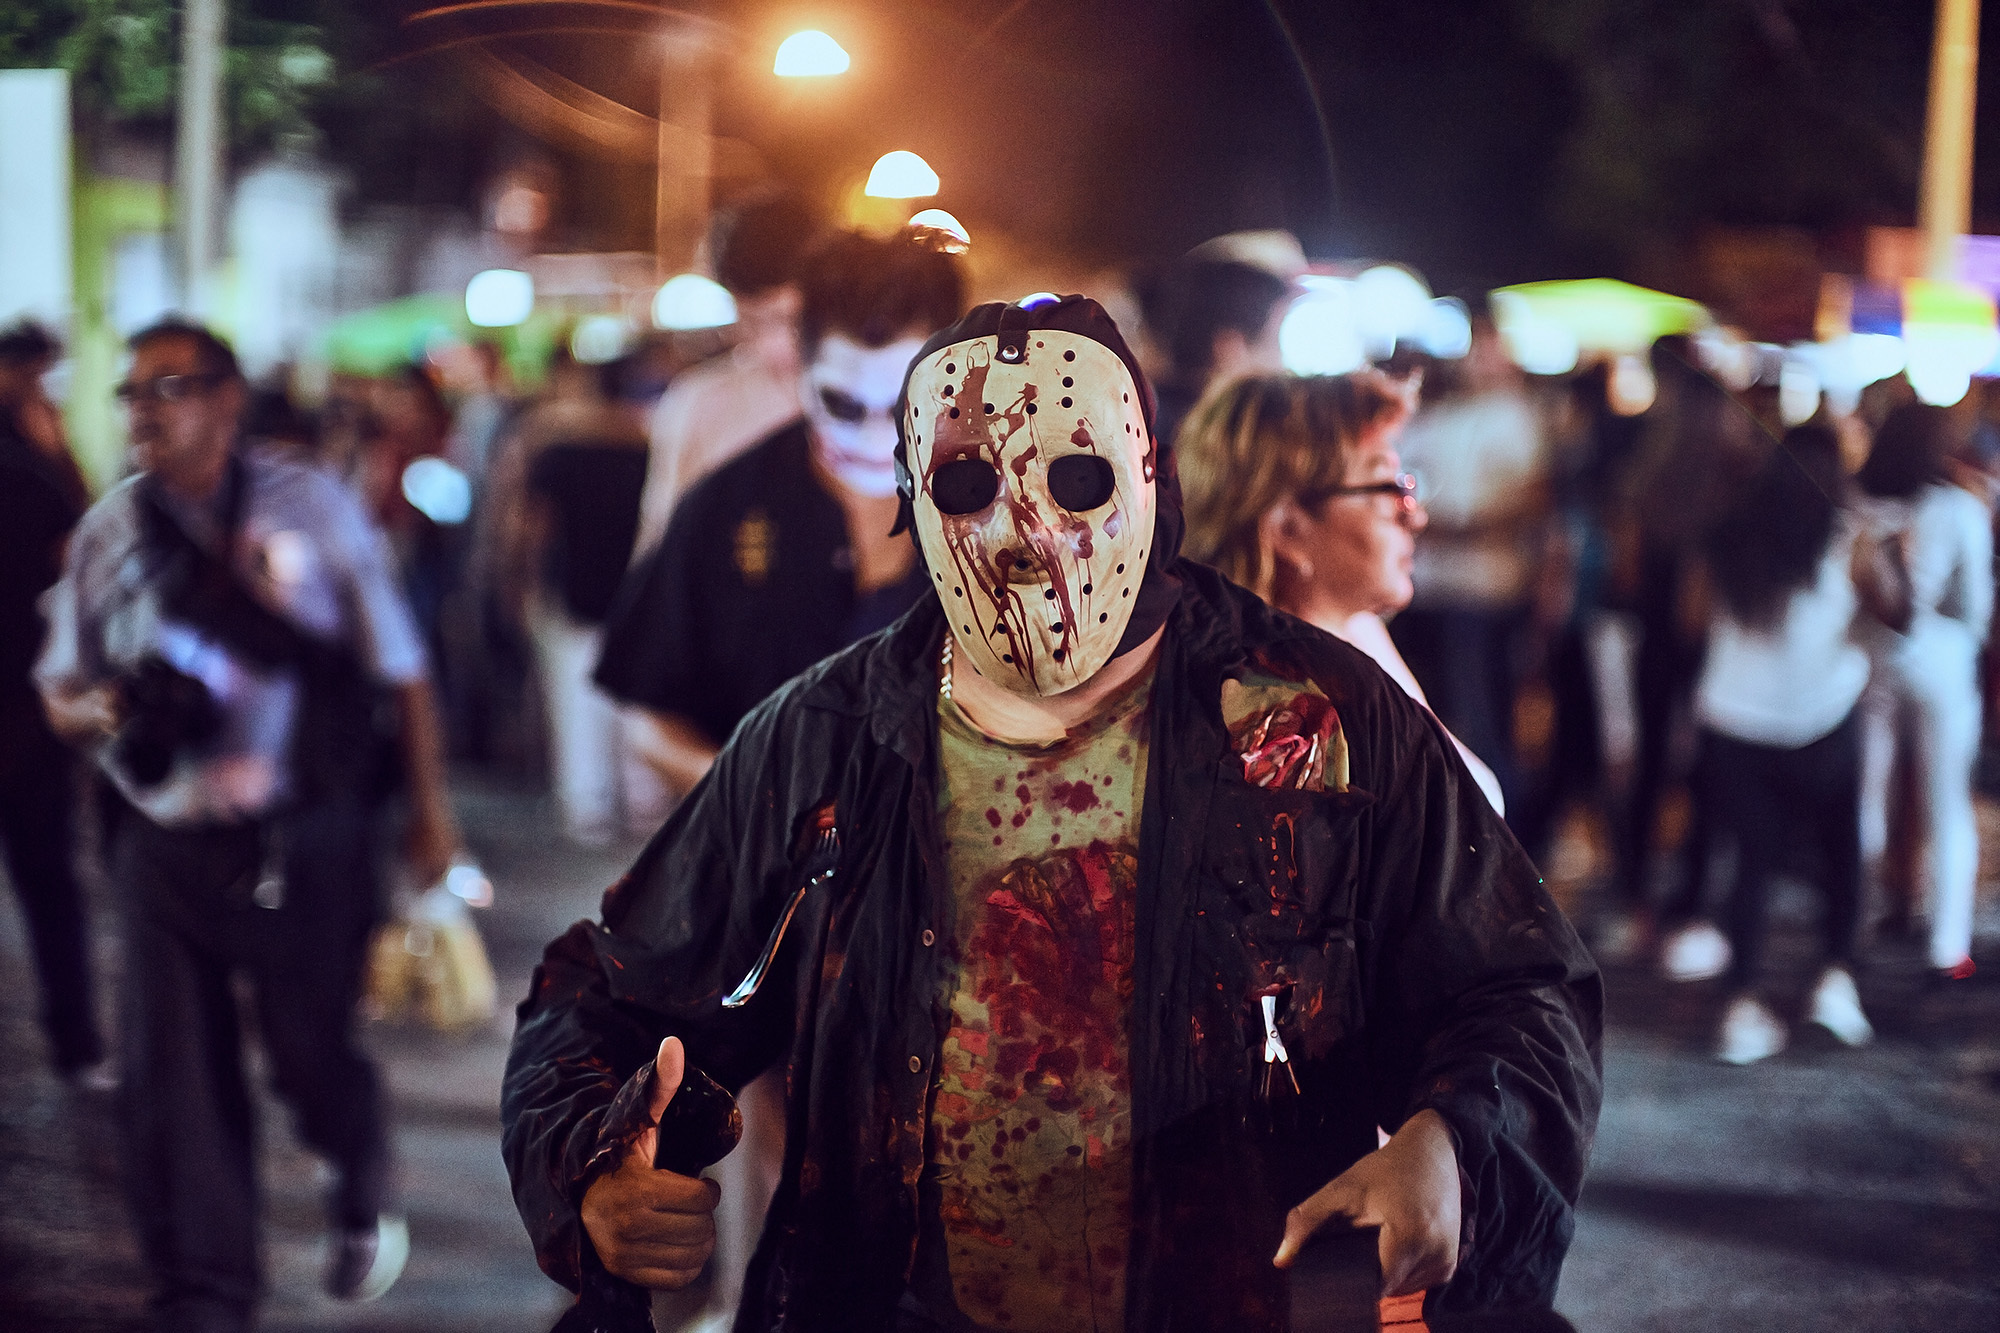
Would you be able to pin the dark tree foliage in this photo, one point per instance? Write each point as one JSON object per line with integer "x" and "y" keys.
{"x": 1734, "y": 111}
{"x": 300, "y": 75}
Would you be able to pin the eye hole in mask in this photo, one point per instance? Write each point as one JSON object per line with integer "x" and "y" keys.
{"x": 843, "y": 407}
{"x": 965, "y": 486}
{"x": 1081, "y": 482}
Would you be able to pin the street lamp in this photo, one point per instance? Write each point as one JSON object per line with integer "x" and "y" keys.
{"x": 809, "y": 55}
{"x": 901, "y": 175}
{"x": 940, "y": 220}
{"x": 691, "y": 301}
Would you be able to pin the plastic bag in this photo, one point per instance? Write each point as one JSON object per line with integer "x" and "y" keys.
{"x": 429, "y": 964}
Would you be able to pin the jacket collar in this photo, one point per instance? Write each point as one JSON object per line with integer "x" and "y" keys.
{"x": 892, "y": 678}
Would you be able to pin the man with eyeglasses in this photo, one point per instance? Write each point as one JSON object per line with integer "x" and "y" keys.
{"x": 226, "y": 640}
{"x": 779, "y": 558}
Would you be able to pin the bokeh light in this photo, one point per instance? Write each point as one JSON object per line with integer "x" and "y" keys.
{"x": 808, "y": 55}
{"x": 901, "y": 175}
{"x": 499, "y": 298}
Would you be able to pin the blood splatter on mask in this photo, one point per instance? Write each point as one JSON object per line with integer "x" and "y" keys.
{"x": 1034, "y": 501}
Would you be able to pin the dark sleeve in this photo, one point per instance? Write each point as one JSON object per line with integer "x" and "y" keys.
{"x": 1487, "y": 1009}
{"x": 37, "y": 516}
{"x": 678, "y": 932}
{"x": 655, "y": 632}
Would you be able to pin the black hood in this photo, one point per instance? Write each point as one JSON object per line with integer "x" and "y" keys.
{"x": 1159, "y": 590}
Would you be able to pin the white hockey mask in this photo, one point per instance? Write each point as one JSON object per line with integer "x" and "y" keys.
{"x": 1034, "y": 502}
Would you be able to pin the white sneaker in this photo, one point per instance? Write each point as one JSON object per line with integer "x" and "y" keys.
{"x": 1695, "y": 952}
{"x": 364, "y": 1264}
{"x": 1750, "y": 1032}
{"x": 1836, "y": 1006}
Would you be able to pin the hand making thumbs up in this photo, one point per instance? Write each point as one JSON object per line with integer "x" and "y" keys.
{"x": 653, "y": 1227}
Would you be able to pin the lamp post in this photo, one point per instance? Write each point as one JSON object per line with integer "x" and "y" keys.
{"x": 687, "y": 115}
{"x": 686, "y": 148}
{"x": 1945, "y": 208}
{"x": 198, "y": 150}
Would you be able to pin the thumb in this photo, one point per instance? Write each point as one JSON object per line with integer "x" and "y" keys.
{"x": 668, "y": 1067}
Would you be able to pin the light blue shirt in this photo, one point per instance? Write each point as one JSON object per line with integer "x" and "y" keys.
{"x": 305, "y": 548}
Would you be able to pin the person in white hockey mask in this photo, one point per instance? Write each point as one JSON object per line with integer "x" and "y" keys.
{"x": 1096, "y": 914}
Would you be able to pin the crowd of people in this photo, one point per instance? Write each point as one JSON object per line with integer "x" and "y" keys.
{"x": 1741, "y": 649}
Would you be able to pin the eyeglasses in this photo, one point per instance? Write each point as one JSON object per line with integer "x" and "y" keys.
{"x": 166, "y": 388}
{"x": 1405, "y": 487}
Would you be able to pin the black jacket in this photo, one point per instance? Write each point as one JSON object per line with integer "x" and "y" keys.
{"x": 1426, "y": 966}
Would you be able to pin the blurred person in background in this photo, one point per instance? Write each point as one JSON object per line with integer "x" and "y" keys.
{"x": 1696, "y": 451}
{"x": 1924, "y": 693}
{"x": 1562, "y": 753}
{"x": 224, "y": 635}
{"x": 1780, "y": 728}
{"x": 1294, "y": 490}
{"x": 777, "y": 559}
{"x": 1212, "y": 320}
{"x": 27, "y": 416}
{"x": 428, "y": 529}
{"x": 41, "y": 499}
{"x": 714, "y": 411}
{"x": 408, "y": 420}
{"x": 485, "y": 408}
{"x": 275, "y": 418}
{"x": 794, "y": 532}
{"x": 1480, "y": 452}
{"x": 565, "y": 506}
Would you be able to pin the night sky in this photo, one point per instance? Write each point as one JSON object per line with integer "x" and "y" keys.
{"x": 1483, "y": 140}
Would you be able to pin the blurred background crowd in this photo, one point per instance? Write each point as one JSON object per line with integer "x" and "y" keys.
{"x": 1698, "y": 574}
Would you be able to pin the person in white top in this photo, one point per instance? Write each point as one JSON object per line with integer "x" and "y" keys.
{"x": 1781, "y": 753}
{"x": 1925, "y": 691}
{"x": 1294, "y": 489}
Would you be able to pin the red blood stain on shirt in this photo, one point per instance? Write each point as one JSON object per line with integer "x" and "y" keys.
{"x": 1075, "y": 797}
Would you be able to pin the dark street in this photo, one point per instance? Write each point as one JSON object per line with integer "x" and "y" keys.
{"x": 1822, "y": 1189}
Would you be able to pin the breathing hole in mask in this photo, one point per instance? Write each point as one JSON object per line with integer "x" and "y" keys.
{"x": 1081, "y": 482}
{"x": 965, "y": 486}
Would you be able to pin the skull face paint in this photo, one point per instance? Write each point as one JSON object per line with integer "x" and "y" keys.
{"x": 1034, "y": 504}
{"x": 848, "y": 393}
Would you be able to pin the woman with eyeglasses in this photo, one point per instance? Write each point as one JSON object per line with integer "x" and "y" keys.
{"x": 1294, "y": 490}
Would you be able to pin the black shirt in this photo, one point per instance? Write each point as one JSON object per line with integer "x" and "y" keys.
{"x": 592, "y": 491}
{"x": 36, "y": 514}
{"x": 753, "y": 583}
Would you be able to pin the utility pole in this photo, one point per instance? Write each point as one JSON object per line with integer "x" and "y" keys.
{"x": 681, "y": 193}
{"x": 198, "y": 151}
{"x": 1944, "y": 213}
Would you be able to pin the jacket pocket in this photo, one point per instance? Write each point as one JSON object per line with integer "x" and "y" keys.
{"x": 1278, "y": 904}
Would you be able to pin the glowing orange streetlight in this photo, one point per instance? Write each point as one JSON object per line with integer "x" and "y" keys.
{"x": 809, "y": 55}
{"x": 901, "y": 175}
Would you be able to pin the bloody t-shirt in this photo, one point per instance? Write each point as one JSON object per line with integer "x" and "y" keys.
{"x": 1030, "y": 1137}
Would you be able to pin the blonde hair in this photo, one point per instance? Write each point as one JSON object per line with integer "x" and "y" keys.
{"x": 1253, "y": 443}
